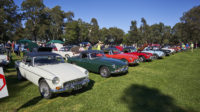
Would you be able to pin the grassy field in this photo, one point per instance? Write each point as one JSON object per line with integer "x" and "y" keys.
{"x": 171, "y": 84}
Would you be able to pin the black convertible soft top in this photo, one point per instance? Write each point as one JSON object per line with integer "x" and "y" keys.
{"x": 92, "y": 51}
{"x": 34, "y": 54}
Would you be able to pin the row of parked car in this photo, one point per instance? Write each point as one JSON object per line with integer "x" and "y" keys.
{"x": 52, "y": 74}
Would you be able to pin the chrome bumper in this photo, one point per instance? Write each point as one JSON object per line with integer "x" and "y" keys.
{"x": 70, "y": 86}
{"x": 120, "y": 70}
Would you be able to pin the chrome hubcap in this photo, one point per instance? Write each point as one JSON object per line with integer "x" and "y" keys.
{"x": 104, "y": 72}
{"x": 44, "y": 89}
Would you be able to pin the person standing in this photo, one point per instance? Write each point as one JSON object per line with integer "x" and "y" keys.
{"x": 8, "y": 49}
{"x": 16, "y": 49}
{"x": 192, "y": 46}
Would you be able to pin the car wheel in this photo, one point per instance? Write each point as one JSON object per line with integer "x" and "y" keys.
{"x": 142, "y": 58}
{"x": 156, "y": 56}
{"x": 19, "y": 76}
{"x": 124, "y": 60}
{"x": 45, "y": 90}
{"x": 104, "y": 72}
{"x": 67, "y": 56}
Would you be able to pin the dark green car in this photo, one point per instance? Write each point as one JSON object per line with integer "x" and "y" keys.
{"x": 95, "y": 61}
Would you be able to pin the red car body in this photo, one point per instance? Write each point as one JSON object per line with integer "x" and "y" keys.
{"x": 115, "y": 53}
{"x": 142, "y": 56}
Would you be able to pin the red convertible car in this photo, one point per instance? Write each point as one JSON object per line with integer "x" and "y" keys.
{"x": 117, "y": 54}
{"x": 142, "y": 56}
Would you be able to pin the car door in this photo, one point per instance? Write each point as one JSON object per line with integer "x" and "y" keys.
{"x": 30, "y": 71}
{"x": 83, "y": 61}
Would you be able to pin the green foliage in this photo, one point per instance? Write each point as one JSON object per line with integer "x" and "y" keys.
{"x": 9, "y": 19}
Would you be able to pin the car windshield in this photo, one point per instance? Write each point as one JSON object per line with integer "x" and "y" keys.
{"x": 50, "y": 59}
{"x": 97, "y": 54}
{"x": 133, "y": 50}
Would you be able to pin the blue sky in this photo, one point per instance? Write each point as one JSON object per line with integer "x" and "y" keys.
{"x": 120, "y": 13}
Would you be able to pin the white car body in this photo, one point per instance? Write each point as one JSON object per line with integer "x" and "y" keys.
{"x": 64, "y": 53}
{"x": 4, "y": 59}
{"x": 160, "y": 54}
{"x": 68, "y": 74}
{"x": 167, "y": 48}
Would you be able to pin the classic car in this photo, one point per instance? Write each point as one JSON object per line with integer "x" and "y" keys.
{"x": 65, "y": 52}
{"x": 95, "y": 61}
{"x": 157, "y": 54}
{"x": 117, "y": 54}
{"x": 4, "y": 60}
{"x": 48, "y": 71}
{"x": 172, "y": 50}
{"x": 166, "y": 51}
{"x": 142, "y": 56}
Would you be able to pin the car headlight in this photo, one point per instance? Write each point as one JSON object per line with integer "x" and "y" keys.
{"x": 86, "y": 72}
{"x": 131, "y": 59}
{"x": 114, "y": 66}
{"x": 55, "y": 80}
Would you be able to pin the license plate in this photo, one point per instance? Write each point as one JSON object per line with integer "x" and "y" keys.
{"x": 77, "y": 87}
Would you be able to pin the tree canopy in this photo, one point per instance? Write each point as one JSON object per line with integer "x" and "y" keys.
{"x": 43, "y": 23}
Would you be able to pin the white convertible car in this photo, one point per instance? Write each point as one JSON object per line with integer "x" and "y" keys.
{"x": 48, "y": 71}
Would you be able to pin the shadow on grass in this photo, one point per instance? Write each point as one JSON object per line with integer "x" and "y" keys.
{"x": 143, "y": 99}
{"x": 29, "y": 103}
{"x": 134, "y": 65}
{"x": 14, "y": 86}
{"x": 89, "y": 87}
{"x": 119, "y": 74}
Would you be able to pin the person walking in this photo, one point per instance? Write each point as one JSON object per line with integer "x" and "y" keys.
{"x": 192, "y": 46}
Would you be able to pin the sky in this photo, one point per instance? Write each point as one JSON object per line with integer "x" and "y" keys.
{"x": 120, "y": 13}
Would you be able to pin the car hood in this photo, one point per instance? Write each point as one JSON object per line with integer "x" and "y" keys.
{"x": 64, "y": 71}
{"x": 129, "y": 55}
{"x": 110, "y": 61}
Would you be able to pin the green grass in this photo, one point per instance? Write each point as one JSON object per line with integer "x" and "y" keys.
{"x": 171, "y": 84}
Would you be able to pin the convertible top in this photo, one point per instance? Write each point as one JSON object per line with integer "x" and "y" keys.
{"x": 91, "y": 51}
{"x": 33, "y": 54}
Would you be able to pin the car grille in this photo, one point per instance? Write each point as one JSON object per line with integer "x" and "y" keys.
{"x": 74, "y": 84}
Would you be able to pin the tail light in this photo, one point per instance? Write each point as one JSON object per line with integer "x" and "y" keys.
{"x": 8, "y": 58}
{"x": 55, "y": 49}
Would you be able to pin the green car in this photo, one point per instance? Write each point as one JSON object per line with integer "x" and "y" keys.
{"x": 95, "y": 61}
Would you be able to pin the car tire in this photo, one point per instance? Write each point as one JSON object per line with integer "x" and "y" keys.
{"x": 142, "y": 58}
{"x": 104, "y": 72}
{"x": 156, "y": 56}
{"x": 45, "y": 90}
{"x": 19, "y": 75}
{"x": 67, "y": 56}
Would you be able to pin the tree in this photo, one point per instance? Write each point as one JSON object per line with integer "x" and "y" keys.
{"x": 133, "y": 34}
{"x": 94, "y": 31}
{"x": 144, "y": 31}
{"x": 191, "y": 21}
{"x": 32, "y": 11}
{"x": 9, "y": 19}
{"x": 72, "y": 32}
{"x": 116, "y": 35}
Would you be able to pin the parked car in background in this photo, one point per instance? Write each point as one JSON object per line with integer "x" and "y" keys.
{"x": 166, "y": 51}
{"x": 48, "y": 71}
{"x": 95, "y": 61}
{"x": 157, "y": 54}
{"x": 115, "y": 53}
{"x": 4, "y": 60}
{"x": 142, "y": 56}
{"x": 172, "y": 50}
{"x": 65, "y": 52}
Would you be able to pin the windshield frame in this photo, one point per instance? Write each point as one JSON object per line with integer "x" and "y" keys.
{"x": 42, "y": 64}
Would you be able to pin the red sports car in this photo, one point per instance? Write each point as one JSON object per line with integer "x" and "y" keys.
{"x": 115, "y": 53}
{"x": 142, "y": 56}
